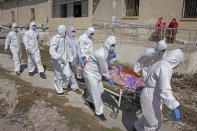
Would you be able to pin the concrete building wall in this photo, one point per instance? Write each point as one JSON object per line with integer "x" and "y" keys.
{"x": 127, "y": 53}
{"x": 78, "y": 22}
{"x": 24, "y": 12}
{"x": 149, "y": 12}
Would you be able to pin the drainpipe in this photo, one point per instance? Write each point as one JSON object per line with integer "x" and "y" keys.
{"x": 1, "y": 16}
{"x": 17, "y": 13}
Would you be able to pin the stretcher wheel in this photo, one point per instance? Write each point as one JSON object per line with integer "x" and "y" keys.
{"x": 114, "y": 115}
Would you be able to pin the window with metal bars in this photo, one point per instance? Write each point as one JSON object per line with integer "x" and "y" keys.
{"x": 131, "y": 7}
{"x": 189, "y": 9}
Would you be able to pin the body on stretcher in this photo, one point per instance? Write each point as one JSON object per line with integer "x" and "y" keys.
{"x": 127, "y": 83}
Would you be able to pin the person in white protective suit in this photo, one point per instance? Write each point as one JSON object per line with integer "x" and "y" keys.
{"x": 76, "y": 53}
{"x": 61, "y": 57}
{"x": 149, "y": 57}
{"x": 31, "y": 42}
{"x": 86, "y": 41}
{"x": 158, "y": 91}
{"x": 14, "y": 40}
{"x": 96, "y": 67}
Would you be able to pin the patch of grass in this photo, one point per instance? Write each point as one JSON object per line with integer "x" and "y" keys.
{"x": 129, "y": 66}
{"x": 25, "y": 103}
{"x": 77, "y": 118}
{"x": 188, "y": 116}
{"x": 56, "y": 99}
{"x": 184, "y": 81}
{"x": 177, "y": 75}
{"x": 46, "y": 58}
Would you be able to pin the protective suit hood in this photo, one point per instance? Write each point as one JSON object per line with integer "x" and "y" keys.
{"x": 90, "y": 30}
{"x": 14, "y": 25}
{"x": 31, "y": 25}
{"x": 161, "y": 45}
{"x": 110, "y": 41}
{"x": 70, "y": 30}
{"x": 61, "y": 30}
{"x": 174, "y": 57}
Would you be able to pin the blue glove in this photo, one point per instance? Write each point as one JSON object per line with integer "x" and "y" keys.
{"x": 74, "y": 63}
{"x": 114, "y": 54}
{"x": 177, "y": 114}
{"x": 5, "y": 51}
{"x": 81, "y": 61}
{"x": 111, "y": 82}
{"x": 169, "y": 113}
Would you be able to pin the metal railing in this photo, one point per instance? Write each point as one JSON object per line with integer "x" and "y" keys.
{"x": 131, "y": 34}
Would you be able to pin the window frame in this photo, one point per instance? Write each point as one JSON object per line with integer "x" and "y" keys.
{"x": 124, "y": 12}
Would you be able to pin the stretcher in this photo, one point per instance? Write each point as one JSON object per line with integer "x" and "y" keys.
{"x": 130, "y": 94}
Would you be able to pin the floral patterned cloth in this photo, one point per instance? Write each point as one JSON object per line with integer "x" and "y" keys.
{"x": 125, "y": 79}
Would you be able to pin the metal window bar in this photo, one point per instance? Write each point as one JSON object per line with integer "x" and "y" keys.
{"x": 189, "y": 9}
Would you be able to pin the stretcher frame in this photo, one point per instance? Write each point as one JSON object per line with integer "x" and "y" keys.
{"x": 119, "y": 94}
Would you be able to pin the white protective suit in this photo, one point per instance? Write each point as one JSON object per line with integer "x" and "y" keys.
{"x": 158, "y": 91}
{"x": 86, "y": 42}
{"x": 76, "y": 53}
{"x": 96, "y": 67}
{"x": 61, "y": 56}
{"x": 31, "y": 42}
{"x": 14, "y": 40}
{"x": 149, "y": 57}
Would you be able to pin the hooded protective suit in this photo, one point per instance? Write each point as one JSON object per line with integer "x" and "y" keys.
{"x": 149, "y": 57}
{"x": 61, "y": 56}
{"x": 31, "y": 42}
{"x": 76, "y": 53}
{"x": 86, "y": 42}
{"x": 14, "y": 40}
{"x": 158, "y": 91}
{"x": 96, "y": 67}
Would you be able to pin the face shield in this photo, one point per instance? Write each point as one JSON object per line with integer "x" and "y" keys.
{"x": 34, "y": 27}
{"x": 90, "y": 35}
{"x": 15, "y": 29}
{"x": 111, "y": 49}
{"x": 73, "y": 34}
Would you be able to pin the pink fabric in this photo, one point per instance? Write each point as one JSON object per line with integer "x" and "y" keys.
{"x": 125, "y": 79}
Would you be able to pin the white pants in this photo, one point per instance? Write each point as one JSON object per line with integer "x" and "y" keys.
{"x": 95, "y": 91}
{"x": 34, "y": 58}
{"x": 151, "y": 109}
{"x": 62, "y": 75}
{"x": 16, "y": 57}
{"x": 73, "y": 85}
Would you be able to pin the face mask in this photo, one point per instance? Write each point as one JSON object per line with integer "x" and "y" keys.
{"x": 162, "y": 52}
{"x": 34, "y": 28}
{"x": 111, "y": 49}
{"x": 73, "y": 34}
{"x": 90, "y": 35}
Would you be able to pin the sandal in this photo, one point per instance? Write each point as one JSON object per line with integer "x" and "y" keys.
{"x": 61, "y": 94}
{"x": 65, "y": 91}
{"x": 78, "y": 91}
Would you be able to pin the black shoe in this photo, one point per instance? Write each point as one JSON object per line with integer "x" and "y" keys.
{"x": 90, "y": 105}
{"x": 42, "y": 75}
{"x": 134, "y": 129}
{"x": 18, "y": 73}
{"x": 31, "y": 73}
{"x": 101, "y": 117}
